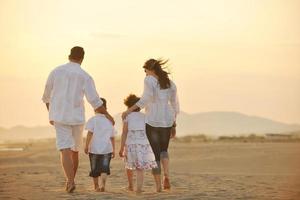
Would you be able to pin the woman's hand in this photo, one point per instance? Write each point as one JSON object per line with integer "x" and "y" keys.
{"x": 124, "y": 114}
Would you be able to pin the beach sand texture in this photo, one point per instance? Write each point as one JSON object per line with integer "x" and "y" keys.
{"x": 215, "y": 170}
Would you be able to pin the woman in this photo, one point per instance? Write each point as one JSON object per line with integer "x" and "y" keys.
{"x": 161, "y": 107}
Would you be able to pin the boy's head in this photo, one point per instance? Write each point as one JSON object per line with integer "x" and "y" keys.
{"x": 131, "y": 100}
{"x": 104, "y": 103}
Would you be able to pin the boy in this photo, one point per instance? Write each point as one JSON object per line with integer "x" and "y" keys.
{"x": 100, "y": 145}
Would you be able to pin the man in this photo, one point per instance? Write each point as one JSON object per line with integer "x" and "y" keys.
{"x": 65, "y": 88}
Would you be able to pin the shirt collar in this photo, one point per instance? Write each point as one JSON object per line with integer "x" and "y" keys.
{"x": 99, "y": 114}
{"x": 75, "y": 64}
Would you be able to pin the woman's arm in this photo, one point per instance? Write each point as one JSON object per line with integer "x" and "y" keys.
{"x": 123, "y": 139}
{"x": 145, "y": 99}
{"x": 88, "y": 140}
{"x": 174, "y": 99}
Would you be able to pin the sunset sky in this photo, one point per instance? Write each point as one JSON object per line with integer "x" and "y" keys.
{"x": 225, "y": 55}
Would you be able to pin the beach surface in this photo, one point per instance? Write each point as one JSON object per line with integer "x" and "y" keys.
{"x": 199, "y": 170}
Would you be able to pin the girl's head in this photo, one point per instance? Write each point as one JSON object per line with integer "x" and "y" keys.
{"x": 155, "y": 66}
{"x": 131, "y": 100}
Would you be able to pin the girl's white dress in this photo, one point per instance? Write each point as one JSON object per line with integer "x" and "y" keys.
{"x": 138, "y": 152}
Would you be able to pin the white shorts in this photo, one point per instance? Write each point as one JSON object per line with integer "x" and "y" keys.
{"x": 68, "y": 136}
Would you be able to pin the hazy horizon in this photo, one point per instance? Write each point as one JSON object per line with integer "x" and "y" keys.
{"x": 225, "y": 55}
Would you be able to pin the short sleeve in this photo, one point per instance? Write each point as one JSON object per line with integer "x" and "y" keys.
{"x": 114, "y": 132}
{"x": 90, "y": 125}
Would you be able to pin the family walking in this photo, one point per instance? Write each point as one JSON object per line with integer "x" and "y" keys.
{"x": 145, "y": 136}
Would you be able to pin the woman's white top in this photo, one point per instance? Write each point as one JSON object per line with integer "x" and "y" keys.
{"x": 103, "y": 131}
{"x": 161, "y": 105}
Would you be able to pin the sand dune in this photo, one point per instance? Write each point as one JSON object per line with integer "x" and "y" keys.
{"x": 198, "y": 171}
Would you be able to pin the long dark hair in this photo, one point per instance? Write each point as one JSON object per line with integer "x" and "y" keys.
{"x": 156, "y": 66}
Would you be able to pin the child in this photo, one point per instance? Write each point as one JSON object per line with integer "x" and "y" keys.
{"x": 138, "y": 152}
{"x": 100, "y": 145}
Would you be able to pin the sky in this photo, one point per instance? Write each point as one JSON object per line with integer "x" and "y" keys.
{"x": 224, "y": 55}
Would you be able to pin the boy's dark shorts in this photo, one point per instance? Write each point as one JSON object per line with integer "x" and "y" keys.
{"x": 100, "y": 163}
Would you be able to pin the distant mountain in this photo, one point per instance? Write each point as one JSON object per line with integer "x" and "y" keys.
{"x": 212, "y": 124}
{"x": 229, "y": 123}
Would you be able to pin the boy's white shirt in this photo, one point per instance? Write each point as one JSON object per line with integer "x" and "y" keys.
{"x": 103, "y": 131}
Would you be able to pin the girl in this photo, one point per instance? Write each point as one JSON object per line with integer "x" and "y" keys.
{"x": 135, "y": 145}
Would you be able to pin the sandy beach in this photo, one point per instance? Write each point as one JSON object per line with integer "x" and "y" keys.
{"x": 211, "y": 170}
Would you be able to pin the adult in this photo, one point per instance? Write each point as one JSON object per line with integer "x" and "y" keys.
{"x": 65, "y": 88}
{"x": 161, "y": 107}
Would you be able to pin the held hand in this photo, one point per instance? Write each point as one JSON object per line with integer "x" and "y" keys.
{"x": 173, "y": 132}
{"x": 51, "y": 122}
{"x": 86, "y": 150}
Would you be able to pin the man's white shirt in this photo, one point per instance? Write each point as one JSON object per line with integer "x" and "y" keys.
{"x": 65, "y": 88}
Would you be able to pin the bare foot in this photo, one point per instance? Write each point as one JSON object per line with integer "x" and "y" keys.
{"x": 139, "y": 192}
{"x": 167, "y": 185}
{"x": 102, "y": 189}
{"x": 71, "y": 187}
{"x": 158, "y": 189}
{"x": 129, "y": 188}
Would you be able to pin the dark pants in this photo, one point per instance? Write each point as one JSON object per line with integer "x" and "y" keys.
{"x": 159, "y": 138}
{"x": 100, "y": 163}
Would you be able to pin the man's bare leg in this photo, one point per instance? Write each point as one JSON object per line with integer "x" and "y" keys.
{"x": 67, "y": 164}
{"x": 75, "y": 161}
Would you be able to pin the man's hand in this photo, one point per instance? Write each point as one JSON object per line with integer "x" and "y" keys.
{"x": 173, "y": 132}
{"x": 110, "y": 118}
{"x": 86, "y": 150}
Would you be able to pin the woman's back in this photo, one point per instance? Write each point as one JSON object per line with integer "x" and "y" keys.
{"x": 161, "y": 104}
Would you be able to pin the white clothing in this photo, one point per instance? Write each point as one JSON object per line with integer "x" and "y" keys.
{"x": 161, "y": 105}
{"x": 103, "y": 131}
{"x": 139, "y": 154}
{"x": 136, "y": 121}
{"x": 68, "y": 136}
{"x": 65, "y": 88}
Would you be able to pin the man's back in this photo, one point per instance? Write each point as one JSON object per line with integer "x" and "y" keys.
{"x": 65, "y": 88}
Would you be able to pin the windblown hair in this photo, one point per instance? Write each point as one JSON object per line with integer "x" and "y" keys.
{"x": 131, "y": 100}
{"x": 156, "y": 66}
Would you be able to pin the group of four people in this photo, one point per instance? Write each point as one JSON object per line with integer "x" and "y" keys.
{"x": 145, "y": 137}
